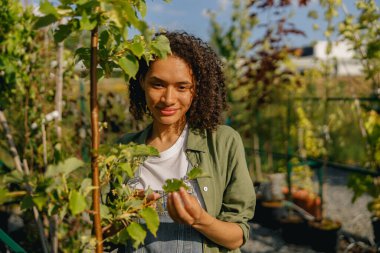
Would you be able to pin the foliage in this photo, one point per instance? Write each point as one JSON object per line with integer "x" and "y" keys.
{"x": 259, "y": 71}
{"x": 61, "y": 190}
{"x": 115, "y": 18}
{"x": 174, "y": 184}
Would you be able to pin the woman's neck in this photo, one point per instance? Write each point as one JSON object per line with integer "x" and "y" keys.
{"x": 163, "y": 137}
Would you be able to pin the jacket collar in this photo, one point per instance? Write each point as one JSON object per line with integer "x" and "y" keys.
{"x": 196, "y": 140}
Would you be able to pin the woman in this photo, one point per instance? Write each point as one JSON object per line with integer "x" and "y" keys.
{"x": 185, "y": 95}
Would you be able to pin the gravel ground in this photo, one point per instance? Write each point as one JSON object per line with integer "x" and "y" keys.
{"x": 354, "y": 217}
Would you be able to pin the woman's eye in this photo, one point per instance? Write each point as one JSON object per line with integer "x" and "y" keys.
{"x": 157, "y": 85}
{"x": 183, "y": 87}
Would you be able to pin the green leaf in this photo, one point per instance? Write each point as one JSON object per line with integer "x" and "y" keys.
{"x": 105, "y": 212}
{"x": 27, "y": 202}
{"x": 313, "y": 14}
{"x": 3, "y": 196}
{"x": 142, "y": 8}
{"x": 40, "y": 201}
{"x": 62, "y": 32}
{"x": 173, "y": 185}
{"x": 64, "y": 168}
{"x": 144, "y": 150}
{"x": 151, "y": 218}
{"x": 137, "y": 48}
{"x": 137, "y": 233}
{"x": 45, "y": 21}
{"x": 195, "y": 172}
{"x": 77, "y": 202}
{"x": 129, "y": 64}
{"x": 373, "y": 50}
{"x": 126, "y": 167}
{"x": 86, "y": 23}
{"x": 161, "y": 46}
{"x": 14, "y": 177}
{"x": 47, "y": 8}
{"x": 86, "y": 186}
{"x": 103, "y": 38}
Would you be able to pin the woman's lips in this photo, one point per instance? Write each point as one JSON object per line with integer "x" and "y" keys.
{"x": 168, "y": 112}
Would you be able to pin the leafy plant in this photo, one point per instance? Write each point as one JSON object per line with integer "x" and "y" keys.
{"x": 174, "y": 184}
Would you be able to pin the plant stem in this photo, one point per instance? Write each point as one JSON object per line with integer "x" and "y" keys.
{"x": 12, "y": 146}
{"x": 95, "y": 140}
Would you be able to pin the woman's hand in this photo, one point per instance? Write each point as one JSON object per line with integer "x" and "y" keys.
{"x": 184, "y": 208}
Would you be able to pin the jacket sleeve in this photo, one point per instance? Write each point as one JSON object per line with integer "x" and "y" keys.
{"x": 239, "y": 197}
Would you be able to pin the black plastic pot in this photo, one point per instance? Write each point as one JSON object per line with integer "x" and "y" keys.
{"x": 324, "y": 238}
{"x": 269, "y": 213}
{"x": 376, "y": 229}
{"x": 294, "y": 229}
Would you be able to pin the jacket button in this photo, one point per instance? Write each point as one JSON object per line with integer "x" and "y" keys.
{"x": 205, "y": 188}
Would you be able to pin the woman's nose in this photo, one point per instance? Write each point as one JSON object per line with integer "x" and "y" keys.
{"x": 168, "y": 96}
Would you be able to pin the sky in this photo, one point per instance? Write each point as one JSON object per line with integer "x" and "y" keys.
{"x": 190, "y": 15}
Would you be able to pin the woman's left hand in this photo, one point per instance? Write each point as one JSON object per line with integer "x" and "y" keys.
{"x": 184, "y": 208}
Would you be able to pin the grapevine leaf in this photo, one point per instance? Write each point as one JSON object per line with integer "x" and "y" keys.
{"x": 129, "y": 64}
{"x": 137, "y": 233}
{"x": 151, "y": 218}
{"x": 161, "y": 46}
{"x": 77, "y": 202}
{"x": 173, "y": 185}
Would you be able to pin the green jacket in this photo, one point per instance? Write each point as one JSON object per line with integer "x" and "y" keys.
{"x": 228, "y": 193}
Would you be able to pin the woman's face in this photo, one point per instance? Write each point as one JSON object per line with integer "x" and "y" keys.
{"x": 169, "y": 88}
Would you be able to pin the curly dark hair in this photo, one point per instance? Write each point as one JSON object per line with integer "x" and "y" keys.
{"x": 209, "y": 101}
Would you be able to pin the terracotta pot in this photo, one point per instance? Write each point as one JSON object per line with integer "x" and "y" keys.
{"x": 324, "y": 235}
{"x": 310, "y": 202}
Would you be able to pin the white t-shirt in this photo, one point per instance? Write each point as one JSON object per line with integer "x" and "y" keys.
{"x": 171, "y": 163}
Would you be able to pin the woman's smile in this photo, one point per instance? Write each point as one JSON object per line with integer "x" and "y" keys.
{"x": 168, "y": 111}
{"x": 169, "y": 90}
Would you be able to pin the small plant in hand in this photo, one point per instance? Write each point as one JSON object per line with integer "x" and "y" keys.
{"x": 174, "y": 185}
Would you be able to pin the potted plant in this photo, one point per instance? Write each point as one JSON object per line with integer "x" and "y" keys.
{"x": 368, "y": 184}
{"x": 302, "y": 203}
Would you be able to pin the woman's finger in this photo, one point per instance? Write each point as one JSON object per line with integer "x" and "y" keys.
{"x": 172, "y": 211}
{"x": 179, "y": 206}
{"x": 191, "y": 204}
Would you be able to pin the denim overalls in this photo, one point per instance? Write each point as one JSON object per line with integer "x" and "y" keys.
{"x": 171, "y": 237}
